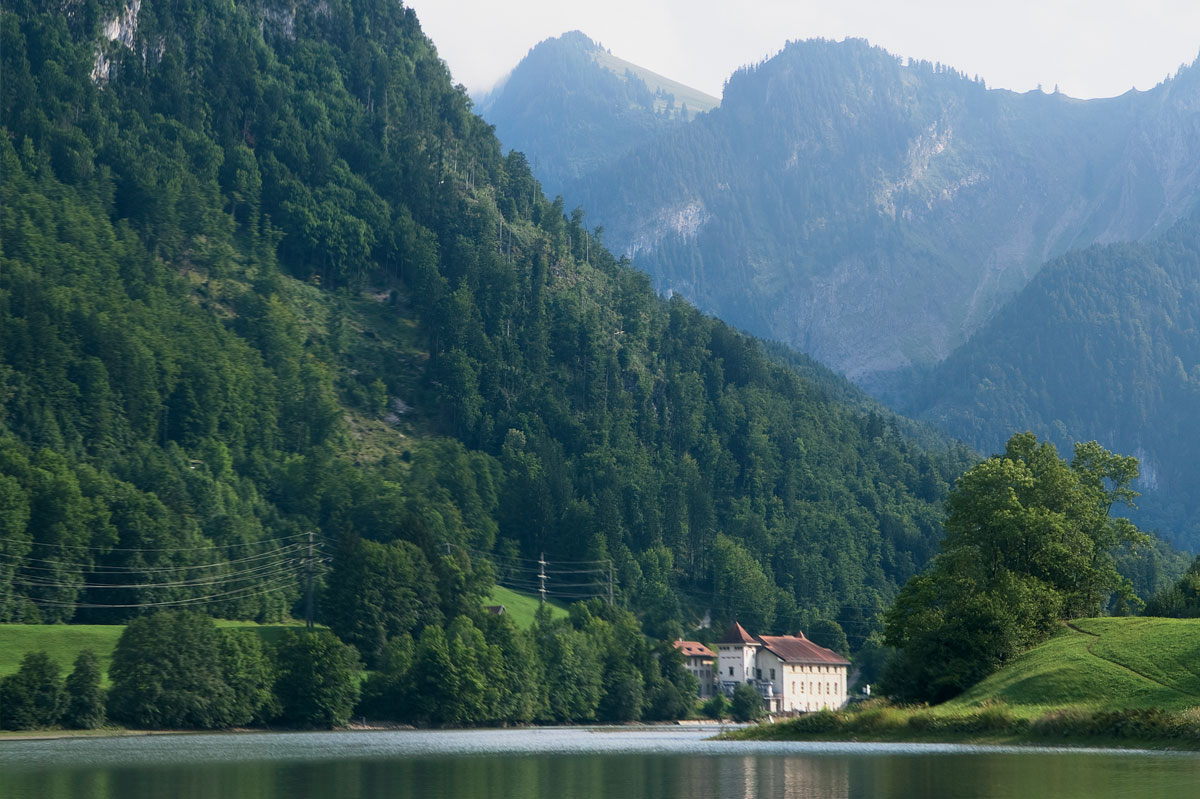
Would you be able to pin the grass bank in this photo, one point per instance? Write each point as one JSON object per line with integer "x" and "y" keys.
{"x": 1152, "y": 728}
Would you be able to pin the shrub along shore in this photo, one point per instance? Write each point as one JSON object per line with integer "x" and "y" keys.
{"x": 880, "y": 721}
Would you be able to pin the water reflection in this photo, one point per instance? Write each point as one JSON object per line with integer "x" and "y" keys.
{"x": 564, "y": 764}
{"x": 776, "y": 776}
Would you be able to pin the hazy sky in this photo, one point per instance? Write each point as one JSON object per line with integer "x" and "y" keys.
{"x": 1089, "y": 48}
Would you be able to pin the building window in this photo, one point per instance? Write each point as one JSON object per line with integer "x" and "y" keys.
{"x": 731, "y": 671}
{"x": 772, "y": 675}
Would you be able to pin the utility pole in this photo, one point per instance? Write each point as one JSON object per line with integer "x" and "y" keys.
{"x": 308, "y": 599}
{"x": 542, "y": 577}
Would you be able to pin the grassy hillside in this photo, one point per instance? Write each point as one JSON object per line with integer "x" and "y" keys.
{"x": 521, "y": 607}
{"x": 696, "y": 100}
{"x": 1109, "y": 664}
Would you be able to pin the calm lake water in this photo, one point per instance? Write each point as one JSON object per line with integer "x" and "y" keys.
{"x": 667, "y": 763}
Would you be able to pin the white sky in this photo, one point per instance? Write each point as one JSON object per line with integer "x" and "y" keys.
{"x": 1089, "y": 48}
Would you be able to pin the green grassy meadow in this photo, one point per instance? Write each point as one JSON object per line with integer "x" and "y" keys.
{"x": 521, "y": 607}
{"x": 1099, "y": 664}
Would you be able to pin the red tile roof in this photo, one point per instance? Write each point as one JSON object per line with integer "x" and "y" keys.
{"x": 791, "y": 649}
{"x": 694, "y": 649}
{"x": 736, "y": 634}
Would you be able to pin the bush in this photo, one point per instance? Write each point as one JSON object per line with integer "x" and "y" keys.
{"x": 747, "y": 704}
{"x": 819, "y": 721}
{"x": 716, "y": 708}
{"x": 1131, "y": 723}
{"x": 32, "y": 698}
{"x": 85, "y": 697}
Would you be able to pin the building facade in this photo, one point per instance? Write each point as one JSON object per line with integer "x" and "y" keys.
{"x": 791, "y": 673}
{"x": 700, "y": 662}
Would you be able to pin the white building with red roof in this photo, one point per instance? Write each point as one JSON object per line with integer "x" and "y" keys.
{"x": 791, "y": 673}
{"x": 700, "y": 661}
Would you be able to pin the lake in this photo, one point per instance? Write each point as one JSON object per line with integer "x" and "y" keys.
{"x": 655, "y": 763}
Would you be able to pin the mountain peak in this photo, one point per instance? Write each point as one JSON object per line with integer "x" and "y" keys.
{"x": 572, "y": 105}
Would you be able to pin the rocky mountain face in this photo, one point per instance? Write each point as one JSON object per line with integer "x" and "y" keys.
{"x": 874, "y": 212}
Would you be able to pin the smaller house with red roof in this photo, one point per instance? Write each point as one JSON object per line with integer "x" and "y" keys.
{"x": 790, "y": 672}
{"x": 701, "y": 662}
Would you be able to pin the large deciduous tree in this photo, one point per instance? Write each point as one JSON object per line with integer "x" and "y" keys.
{"x": 1029, "y": 542}
{"x": 316, "y": 679}
{"x": 33, "y": 697}
{"x": 167, "y": 672}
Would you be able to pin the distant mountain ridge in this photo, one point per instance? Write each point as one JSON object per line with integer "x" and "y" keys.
{"x": 1104, "y": 344}
{"x": 571, "y": 106}
{"x": 874, "y": 212}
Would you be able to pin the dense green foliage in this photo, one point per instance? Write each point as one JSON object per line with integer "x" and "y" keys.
{"x": 1181, "y": 600}
{"x": 1103, "y": 344}
{"x": 572, "y": 112}
{"x": 266, "y": 274}
{"x": 33, "y": 697}
{"x": 593, "y": 666}
{"x": 872, "y": 212}
{"x": 176, "y": 669}
{"x": 85, "y": 698}
{"x": 746, "y": 704}
{"x": 316, "y": 679}
{"x": 1029, "y": 542}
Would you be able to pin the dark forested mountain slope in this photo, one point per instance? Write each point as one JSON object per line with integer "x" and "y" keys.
{"x": 263, "y": 273}
{"x": 572, "y": 107}
{"x": 873, "y": 213}
{"x": 1104, "y": 344}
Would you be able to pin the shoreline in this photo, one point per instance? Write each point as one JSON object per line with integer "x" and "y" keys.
{"x": 764, "y": 732}
{"x": 1073, "y": 728}
{"x": 360, "y": 727}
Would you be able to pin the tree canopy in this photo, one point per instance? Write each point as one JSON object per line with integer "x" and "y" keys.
{"x": 1029, "y": 543}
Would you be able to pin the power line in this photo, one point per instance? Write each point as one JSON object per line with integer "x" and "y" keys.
{"x": 101, "y": 568}
{"x": 151, "y": 549}
{"x": 257, "y": 573}
{"x": 246, "y": 592}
